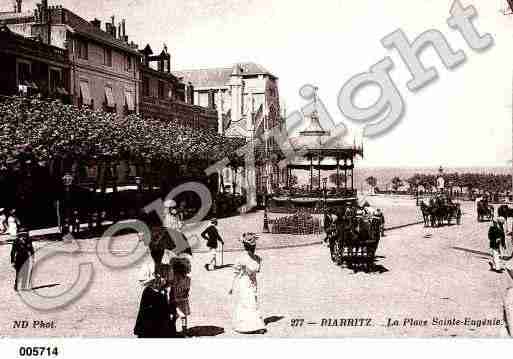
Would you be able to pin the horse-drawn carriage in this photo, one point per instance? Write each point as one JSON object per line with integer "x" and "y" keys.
{"x": 440, "y": 209}
{"x": 485, "y": 211}
{"x": 354, "y": 237}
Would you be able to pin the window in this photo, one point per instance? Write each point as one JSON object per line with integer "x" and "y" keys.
{"x": 55, "y": 80}
{"x": 128, "y": 63}
{"x": 107, "y": 57}
{"x": 146, "y": 86}
{"x": 161, "y": 90}
{"x": 81, "y": 49}
{"x": 85, "y": 95}
{"x": 129, "y": 99}
{"x": 24, "y": 73}
{"x": 109, "y": 97}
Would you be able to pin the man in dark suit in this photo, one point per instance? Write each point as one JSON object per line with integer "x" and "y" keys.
{"x": 21, "y": 253}
{"x": 211, "y": 235}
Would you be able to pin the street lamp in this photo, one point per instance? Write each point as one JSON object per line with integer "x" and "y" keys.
{"x": 266, "y": 219}
{"x": 324, "y": 183}
{"x": 417, "y": 183}
{"x": 138, "y": 183}
{"x": 67, "y": 180}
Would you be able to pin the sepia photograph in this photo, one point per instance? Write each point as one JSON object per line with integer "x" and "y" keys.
{"x": 255, "y": 169}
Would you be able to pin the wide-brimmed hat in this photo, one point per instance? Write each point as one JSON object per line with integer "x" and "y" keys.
{"x": 169, "y": 203}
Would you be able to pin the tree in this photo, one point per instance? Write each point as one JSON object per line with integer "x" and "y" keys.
{"x": 371, "y": 181}
{"x": 396, "y": 183}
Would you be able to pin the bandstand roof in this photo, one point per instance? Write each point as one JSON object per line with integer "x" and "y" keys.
{"x": 314, "y": 141}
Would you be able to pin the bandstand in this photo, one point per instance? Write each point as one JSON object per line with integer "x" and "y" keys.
{"x": 316, "y": 154}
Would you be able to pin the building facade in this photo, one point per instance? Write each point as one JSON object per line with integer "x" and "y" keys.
{"x": 29, "y": 66}
{"x": 163, "y": 96}
{"x": 103, "y": 65}
{"x": 105, "y": 71}
{"x": 245, "y": 95}
{"x": 247, "y": 99}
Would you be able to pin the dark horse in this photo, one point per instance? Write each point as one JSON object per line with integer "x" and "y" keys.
{"x": 426, "y": 213}
{"x": 484, "y": 210}
{"x": 505, "y": 211}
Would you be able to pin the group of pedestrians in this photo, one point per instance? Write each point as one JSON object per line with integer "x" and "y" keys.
{"x": 165, "y": 298}
{"x": 167, "y": 284}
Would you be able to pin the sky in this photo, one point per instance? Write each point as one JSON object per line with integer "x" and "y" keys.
{"x": 462, "y": 119}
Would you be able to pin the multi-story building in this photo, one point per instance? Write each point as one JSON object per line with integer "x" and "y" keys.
{"x": 164, "y": 96}
{"x": 245, "y": 95}
{"x": 30, "y": 66}
{"x": 247, "y": 99}
{"x": 105, "y": 71}
{"x": 103, "y": 65}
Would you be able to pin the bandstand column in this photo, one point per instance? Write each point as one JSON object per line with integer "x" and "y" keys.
{"x": 345, "y": 173}
{"x": 319, "y": 172}
{"x": 352, "y": 178}
{"x": 338, "y": 173}
{"x": 311, "y": 173}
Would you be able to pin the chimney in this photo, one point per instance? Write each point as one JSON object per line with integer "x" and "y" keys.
{"x": 120, "y": 37}
{"x": 113, "y": 26}
{"x": 123, "y": 29}
{"x": 108, "y": 28}
{"x": 17, "y": 6}
{"x": 96, "y": 23}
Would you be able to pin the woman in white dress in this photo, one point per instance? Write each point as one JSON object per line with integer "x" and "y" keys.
{"x": 246, "y": 315}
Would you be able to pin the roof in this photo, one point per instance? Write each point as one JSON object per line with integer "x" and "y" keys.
{"x": 16, "y": 15}
{"x": 220, "y": 77}
{"x": 86, "y": 29}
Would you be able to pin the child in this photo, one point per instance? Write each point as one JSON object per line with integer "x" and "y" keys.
{"x": 180, "y": 288}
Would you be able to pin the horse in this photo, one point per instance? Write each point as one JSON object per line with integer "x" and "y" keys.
{"x": 426, "y": 213}
{"x": 484, "y": 210}
{"x": 505, "y": 211}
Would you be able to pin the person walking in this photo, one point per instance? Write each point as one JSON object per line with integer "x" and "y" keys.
{"x": 21, "y": 259}
{"x": 3, "y": 221}
{"x": 496, "y": 237}
{"x": 13, "y": 224}
{"x": 180, "y": 288}
{"x": 156, "y": 312}
{"x": 246, "y": 315}
{"x": 211, "y": 235}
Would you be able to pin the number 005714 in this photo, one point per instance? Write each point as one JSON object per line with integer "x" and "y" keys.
{"x": 38, "y": 351}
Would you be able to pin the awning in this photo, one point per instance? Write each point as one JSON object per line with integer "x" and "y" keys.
{"x": 109, "y": 96}
{"x": 129, "y": 98}
{"x": 86, "y": 95}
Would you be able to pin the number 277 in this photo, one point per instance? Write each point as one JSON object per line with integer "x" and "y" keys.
{"x": 297, "y": 322}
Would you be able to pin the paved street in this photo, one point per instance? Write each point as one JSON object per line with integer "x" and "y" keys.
{"x": 439, "y": 272}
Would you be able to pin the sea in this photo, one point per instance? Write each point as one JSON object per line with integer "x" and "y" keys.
{"x": 384, "y": 175}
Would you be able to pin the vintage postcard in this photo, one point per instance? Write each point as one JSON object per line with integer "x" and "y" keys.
{"x": 255, "y": 169}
